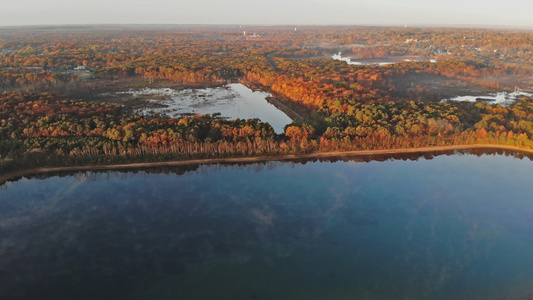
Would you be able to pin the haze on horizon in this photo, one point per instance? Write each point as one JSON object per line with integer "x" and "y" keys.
{"x": 511, "y": 13}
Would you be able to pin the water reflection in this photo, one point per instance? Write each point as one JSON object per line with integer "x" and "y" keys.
{"x": 432, "y": 227}
{"x": 231, "y": 101}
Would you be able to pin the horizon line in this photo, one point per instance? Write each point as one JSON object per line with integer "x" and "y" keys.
{"x": 412, "y": 25}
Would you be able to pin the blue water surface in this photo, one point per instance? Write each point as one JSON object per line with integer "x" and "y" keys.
{"x": 451, "y": 227}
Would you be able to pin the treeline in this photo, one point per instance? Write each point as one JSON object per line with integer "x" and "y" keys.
{"x": 43, "y": 129}
{"x": 34, "y": 79}
{"x": 37, "y": 129}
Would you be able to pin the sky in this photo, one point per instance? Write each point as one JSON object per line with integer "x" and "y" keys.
{"x": 513, "y": 13}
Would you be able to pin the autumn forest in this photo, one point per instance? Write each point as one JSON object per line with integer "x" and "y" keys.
{"x": 55, "y": 82}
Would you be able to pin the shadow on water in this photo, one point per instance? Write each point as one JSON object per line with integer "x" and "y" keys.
{"x": 262, "y": 165}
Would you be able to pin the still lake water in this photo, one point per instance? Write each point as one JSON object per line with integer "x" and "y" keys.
{"x": 369, "y": 62}
{"x": 502, "y": 98}
{"x": 232, "y": 101}
{"x": 451, "y": 227}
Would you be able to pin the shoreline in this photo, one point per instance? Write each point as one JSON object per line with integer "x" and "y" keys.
{"x": 251, "y": 159}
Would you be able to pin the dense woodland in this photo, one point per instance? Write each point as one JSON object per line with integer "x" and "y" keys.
{"x": 52, "y": 112}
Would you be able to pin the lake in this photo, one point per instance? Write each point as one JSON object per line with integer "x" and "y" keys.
{"x": 449, "y": 227}
{"x": 374, "y": 61}
{"x": 501, "y": 98}
{"x": 232, "y": 101}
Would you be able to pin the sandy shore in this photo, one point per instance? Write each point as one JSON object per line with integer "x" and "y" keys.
{"x": 362, "y": 153}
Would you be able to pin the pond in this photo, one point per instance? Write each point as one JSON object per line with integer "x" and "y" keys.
{"x": 390, "y": 60}
{"x": 450, "y": 227}
{"x": 501, "y": 98}
{"x": 232, "y": 101}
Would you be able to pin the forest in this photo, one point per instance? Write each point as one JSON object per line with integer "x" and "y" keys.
{"x": 53, "y": 82}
